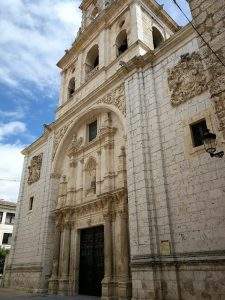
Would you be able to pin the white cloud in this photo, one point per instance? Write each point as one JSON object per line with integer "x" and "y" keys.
{"x": 10, "y": 169}
{"x": 11, "y": 128}
{"x": 33, "y": 37}
{"x": 15, "y": 114}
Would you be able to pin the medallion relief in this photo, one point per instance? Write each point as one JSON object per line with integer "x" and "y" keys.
{"x": 186, "y": 80}
{"x": 34, "y": 169}
{"x": 117, "y": 98}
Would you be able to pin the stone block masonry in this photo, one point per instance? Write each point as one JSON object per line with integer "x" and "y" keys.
{"x": 209, "y": 19}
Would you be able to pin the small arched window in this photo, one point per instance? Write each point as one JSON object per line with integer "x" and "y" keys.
{"x": 71, "y": 87}
{"x": 121, "y": 42}
{"x": 92, "y": 60}
{"x": 157, "y": 37}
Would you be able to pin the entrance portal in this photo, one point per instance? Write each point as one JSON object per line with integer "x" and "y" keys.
{"x": 91, "y": 261}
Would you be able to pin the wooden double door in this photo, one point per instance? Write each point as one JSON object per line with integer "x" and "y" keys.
{"x": 91, "y": 271}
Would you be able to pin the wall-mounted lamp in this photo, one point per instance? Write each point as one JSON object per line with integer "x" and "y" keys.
{"x": 209, "y": 140}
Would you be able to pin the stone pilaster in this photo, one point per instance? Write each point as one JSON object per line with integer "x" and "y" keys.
{"x": 53, "y": 282}
{"x": 65, "y": 259}
{"x": 79, "y": 186}
{"x": 123, "y": 274}
{"x": 107, "y": 285}
{"x": 73, "y": 259}
{"x": 70, "y": 201}
{"x": 98, "y": 174}
{"x": 121, "y": 173}
{"x": 62, "y": 193}
{"x": 108, "y": 148}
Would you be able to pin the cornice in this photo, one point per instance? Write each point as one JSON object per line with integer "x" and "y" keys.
{"x": 187, "y": 258}
{"x": 109, "y": 201}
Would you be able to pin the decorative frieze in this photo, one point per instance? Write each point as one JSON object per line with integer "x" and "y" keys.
{"x": 116, "y": 97}
{"x": 186, "y": 80}
{"x": 108, "y": 203}
{"x": 35, "y": 169}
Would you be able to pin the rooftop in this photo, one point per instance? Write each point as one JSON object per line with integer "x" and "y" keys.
{"x": 7, "y": 203}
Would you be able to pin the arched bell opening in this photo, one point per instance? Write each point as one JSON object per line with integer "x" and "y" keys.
{"x": 121, "y": 43}
{"x": 71, "y": 88}
{"x": 157, "y": 37}
{"x": 92, "y": 59}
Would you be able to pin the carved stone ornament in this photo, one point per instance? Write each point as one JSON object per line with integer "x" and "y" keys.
{"x": 186, "y": 80}
{"x": 59, "y": 134}
{"x": 117, "y": 98}
{"x": 35, "y": 169}
{"x": 74, "y": 146}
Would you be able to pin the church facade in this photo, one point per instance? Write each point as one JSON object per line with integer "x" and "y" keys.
{"x": 118, "y": 197}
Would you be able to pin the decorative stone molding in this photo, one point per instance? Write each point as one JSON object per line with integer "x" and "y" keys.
{"x": 186, "y": 80}
{"x": 117, "y": 98}
{"x": 74, "y": 146}
{"x": 104, "y": 135}
{"x": 59, "y": 134}
{"x": 35, "y": 169}
{"x": 109, "y": 203}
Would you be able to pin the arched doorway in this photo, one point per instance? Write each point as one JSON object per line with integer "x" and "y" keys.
{"x": 91, "y": 209}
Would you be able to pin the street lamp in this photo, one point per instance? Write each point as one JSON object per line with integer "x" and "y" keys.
{"x": 209, "y": 140}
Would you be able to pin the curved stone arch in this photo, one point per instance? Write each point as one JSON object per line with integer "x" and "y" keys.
{"x": 64, "y": 143}
{"x": 157, "y": 35}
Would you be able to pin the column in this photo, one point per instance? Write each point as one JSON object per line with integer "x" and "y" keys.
{"x": 98, "y": 174}
{"x": 71, "y": 182}
{"x": 107, "y": 164}
{"x": 124, "y": 284}
{"x": 107, "y": 284}
{"x": 53, "y": 282}
{"x": 79, "y": 189}
{"x": 62, "y": 193}
{"x": 65, "y": 257}
{"x": 121, "y": 179}
{"x": 73, "y": 259}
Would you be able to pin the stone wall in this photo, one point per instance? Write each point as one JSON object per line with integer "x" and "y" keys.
{"x": 29, "y": 258}
{"x": 209, "y": 19}
{"x": 176, "y": 191}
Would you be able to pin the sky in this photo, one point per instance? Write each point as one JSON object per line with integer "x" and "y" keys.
{"x": 33, "y": 37}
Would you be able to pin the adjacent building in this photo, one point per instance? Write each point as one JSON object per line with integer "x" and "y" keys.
{"x": 7, "y": 218}
{"x": 119, "y": 197}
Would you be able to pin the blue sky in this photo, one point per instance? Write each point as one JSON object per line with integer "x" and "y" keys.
{"x": 34, "y": 35}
